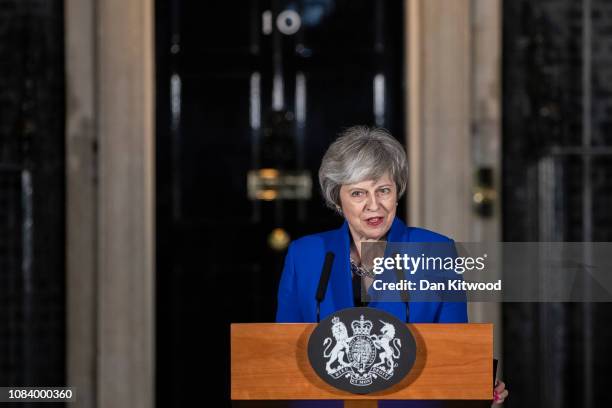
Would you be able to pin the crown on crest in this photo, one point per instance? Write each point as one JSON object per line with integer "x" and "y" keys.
{"x": 361, "y": 326}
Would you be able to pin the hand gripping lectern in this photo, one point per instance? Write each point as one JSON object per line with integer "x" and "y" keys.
{"x": 453, "y": 362}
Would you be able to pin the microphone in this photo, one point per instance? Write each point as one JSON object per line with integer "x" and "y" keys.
{"x": 324, "y": 280}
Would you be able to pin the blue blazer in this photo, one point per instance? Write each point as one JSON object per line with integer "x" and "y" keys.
{"x": 303, "y": 264}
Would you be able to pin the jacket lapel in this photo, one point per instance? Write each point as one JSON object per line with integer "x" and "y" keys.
{"x": 340, "y": 290}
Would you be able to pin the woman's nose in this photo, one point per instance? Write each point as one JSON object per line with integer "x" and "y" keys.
{"x": 372, "y": 202}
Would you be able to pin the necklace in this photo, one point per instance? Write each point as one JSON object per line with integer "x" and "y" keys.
{"x": 359, "y": 270}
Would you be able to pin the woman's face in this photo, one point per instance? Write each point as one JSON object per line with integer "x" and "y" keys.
{"x": 369, "y": 207}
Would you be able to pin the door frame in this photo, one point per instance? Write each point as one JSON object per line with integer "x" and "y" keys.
{"x": 453, "y": 106}
{"x": 110, "y": 202}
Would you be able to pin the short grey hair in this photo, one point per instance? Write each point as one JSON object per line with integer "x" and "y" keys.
{"x": 361, "y": 153}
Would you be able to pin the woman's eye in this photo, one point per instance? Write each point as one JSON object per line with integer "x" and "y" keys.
{"x": 385, "y": 190}
{"x": 357, "y": 193}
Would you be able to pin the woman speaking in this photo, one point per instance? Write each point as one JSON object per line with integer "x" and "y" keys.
{"x": 362, "y": 176}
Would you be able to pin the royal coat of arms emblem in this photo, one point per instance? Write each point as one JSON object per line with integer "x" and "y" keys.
{"x": 364, "y": 356}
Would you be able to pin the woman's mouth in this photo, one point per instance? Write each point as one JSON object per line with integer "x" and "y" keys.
{"x": 374, "y": 221}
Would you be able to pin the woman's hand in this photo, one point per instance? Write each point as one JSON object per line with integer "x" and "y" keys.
{"x": 500, "y": 393}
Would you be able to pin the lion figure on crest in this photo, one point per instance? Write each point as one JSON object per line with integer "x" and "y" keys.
{"x": 341, "y": 348}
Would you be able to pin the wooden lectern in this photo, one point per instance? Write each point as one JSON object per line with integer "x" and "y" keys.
{"x": 269, "y": 361}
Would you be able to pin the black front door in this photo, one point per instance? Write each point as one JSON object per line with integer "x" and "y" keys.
{"x": 241, "y": 88}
